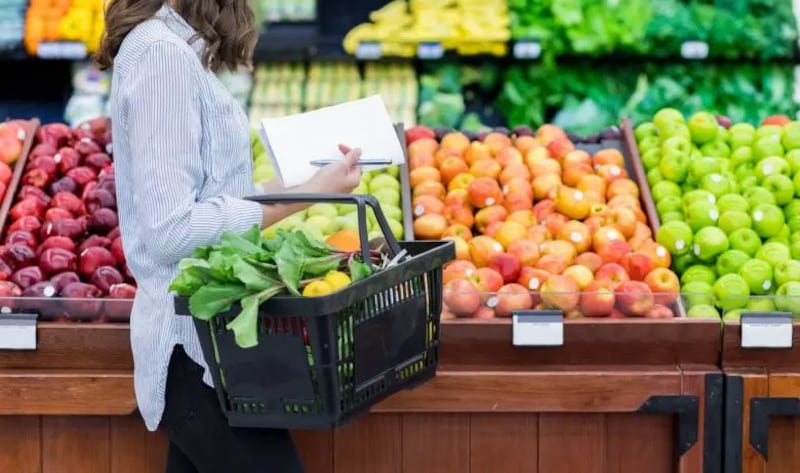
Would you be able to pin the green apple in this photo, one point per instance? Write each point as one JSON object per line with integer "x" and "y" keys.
{"x": 703, "y": 127}
{"x": 347, "y": 222}
{"x": 324, "y": 209}
{"x": 326, "y": 225}
{"x": 393, "y": 171}
{"x": 733, "y": 220}
{"x": 392, "y": 212}
{"x": 649, "y": 144}
{"x": 698, "y": 195}
{"x": 748, "y": 181}
{"x": 667, "y": 116}
{"x": 773, "y": 253}
{"x": 787, "y": 298}
{"x": 676, "y": 145}
{"x": 651, "y": 157}
{"x": 740, "y": 156}
{"x": 731, "y": 202}
{"x": 717, "y": 149}
{"x": 793, "y": 223}
{"x": 760, "y": 304}
{"x": 768, "y": 220}
{"x": 671, "y": 217}
{"x": 796, "y": 182}
{"x": 663, "y": 189}
{"x": 742, "y": 129}
{"x": 701, "y": 214}
{"x": 682, "y": 262}
{"x": 383, "y": 181}
{"x": 792, "y": 209}
{"x": 766, "y": 147}
{"x": 645, "y": 129}
{"x": 654, "y": 176}
{"x": 387, "y": 196}
{"x": 709, "y": 243}
{"x": 787, "y": 271}
{"x": 793, "y": 158}
{"x": 697, "y": 293}
{"x": 740, "y": 140}
{"x": 311, "y": 232}
{"x": 745, "y": 239}
{"x": 790, "y": 137}
{"x": 702, "y": 311}
{"x": 674, "y": 166}
{"x": 731, "y": 292}
{"x": 717, "y": 184}
{"x": 772, "y": 131}
{"x": 758, "y": 195}
{"x": 670, "y": 203}
{"x": 772, "y": 165}
{"x": 730, "y": 262}
{"x": 361, "y": 189}
{"x": 396, "y": 227}
{"x": 699, "y": 273}
{"x": 758, "y": 275}
{"x": 676, "y": 237}
{"x": 703, "y": 167}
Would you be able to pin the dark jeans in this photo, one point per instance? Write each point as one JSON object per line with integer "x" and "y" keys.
{"x": 201, "y": 441}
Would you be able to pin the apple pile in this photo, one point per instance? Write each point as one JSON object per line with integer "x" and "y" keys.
{"x": 63, "y": 240}
{"x": 537, "y": 223}
{"x": 728, "y": 198}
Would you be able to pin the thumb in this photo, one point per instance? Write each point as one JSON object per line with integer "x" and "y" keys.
{"x": 351, "y": 159}
{"x": 344, "y": 149}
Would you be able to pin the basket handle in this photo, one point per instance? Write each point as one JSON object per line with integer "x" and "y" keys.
{"x": 361, "y": 201}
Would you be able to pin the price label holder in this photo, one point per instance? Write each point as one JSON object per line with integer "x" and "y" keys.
{"x": 766, "y": 330}
{"x": 537, "y": 328}
{"x": 430, "y": 50}
{"x": 368, "y": 50}
{"x": 527, "y": 49}
{"x": 18, "y": 331}
{"x": 695, "y": 50}
{"x": 67, "y": 50}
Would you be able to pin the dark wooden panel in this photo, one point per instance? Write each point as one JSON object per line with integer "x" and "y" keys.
{"x": 754, "y": 385}
{"x": 572, "y": 443}
{"x": 369, "y": 445}
{"x": 21, "y": 447}
{"x": 505, "y": 443}
{"x": 133, "y": 448}
{"x": 575, "y": 391}
{"x": 734, "y": 356}
{"x": 316, "y": 450}
{"x": 73, "y": 444}
{"x": 480, "y": 344}
{"x": 639, "y": 443}
{"x": 436, "y": 443}
{"x": 784, "y": 445}
{"x": 694, "y": 384}
{"x": 49, "y": 392}
{"x": 157, "y": 445}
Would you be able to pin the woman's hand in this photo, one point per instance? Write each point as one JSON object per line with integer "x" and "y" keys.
{"x": 340, "y": 177}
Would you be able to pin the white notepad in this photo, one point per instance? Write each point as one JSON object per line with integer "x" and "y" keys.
{"x": 294, "y": 141}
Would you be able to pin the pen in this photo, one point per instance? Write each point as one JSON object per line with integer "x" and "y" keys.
{"x": 361, "y": 162}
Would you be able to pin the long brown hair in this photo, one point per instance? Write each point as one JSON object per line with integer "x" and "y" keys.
{"x": 227, "y": 26}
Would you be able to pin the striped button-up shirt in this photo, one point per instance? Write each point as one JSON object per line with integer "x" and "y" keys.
{"x": 182, "y": 164}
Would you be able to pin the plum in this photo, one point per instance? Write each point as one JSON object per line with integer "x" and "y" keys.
{"x": 98, "y": 199}
{"x": 67, "y": 227}
{"x": 94, "y": 240}
{"x": 42, "y": 149}
{"x": 57, "y": 242}
{"x": 114, "y": 234}
{"x": 29, "y": 223}
{"x": 37, "y": 178}
{"x": 32, "y": 192}
{"x": 82, "y": 303}
{"x": 56, "y": 213}
{"x": 102, "y": 221}
{"x": 45, "y": 163}
{"x": 86, "y": 146}
{"x": 93, "y": 258}
{"x": 27, "y": 208}
{"x": 67, "y": 158}
{"x": 107, "y": 172}
{"x": 18, "y": 256}
{"x": 117, "y": 250}
{"x": 40, "y": 290}
{"x": 98, "y": 161}
{"x": 82, "y": 175}
{"x": 27, "y": 277}
{"x": 63, "y": 279}
{"x": 5, "y": 271}
{"x": 22, "y": 237}
{"x": 57, "y": 260}
{"x": 68, "y": 201}
{"x": 108, "y": 185}
{"x": 87, "y": 189}
{"x": 65, "y": 184}
{"x": 106, "y": 276}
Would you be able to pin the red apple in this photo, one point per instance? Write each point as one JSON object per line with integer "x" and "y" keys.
{"x": 460, "y": 269}
{"x": 659, "y": 311}
{"x": 634, "y": 298}
{"x": 560, "y": 292}
{"x": 507, "y": 265}
{"x": 461, "y": 298}
{"x": 637, "y": 264}
{"x": 487, "y": 281}
{"x": 484, "y": 312}
{"x": 597, "y": 300}
{"x": 612, "y": 273}
{"x": 664, "y": 284}
{"x": 510, "y": 298}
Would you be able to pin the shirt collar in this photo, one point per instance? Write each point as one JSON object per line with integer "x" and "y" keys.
{"x": 180, "y": 27}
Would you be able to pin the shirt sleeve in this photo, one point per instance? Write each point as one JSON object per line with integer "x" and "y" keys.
{"x": 164, "y": 130}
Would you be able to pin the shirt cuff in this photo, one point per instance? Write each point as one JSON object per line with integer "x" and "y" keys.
{"x": 243, "y": 214}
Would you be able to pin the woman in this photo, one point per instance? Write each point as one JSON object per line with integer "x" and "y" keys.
{"x": 182, "y": 164}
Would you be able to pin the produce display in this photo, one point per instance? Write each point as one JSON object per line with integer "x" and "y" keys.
{"x": 465, "y": 26}
{"x": 443, "y": 96}
{"x": 12, "y": 23}
{"x": 537, "y": 222}
{"x": 728, "y": 199}
{"x": 62, "y": 238}
{"x": 64, "y": 20}
{"x": 285, "y": 10}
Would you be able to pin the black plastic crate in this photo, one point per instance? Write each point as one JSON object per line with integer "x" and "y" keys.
{"x": 323, "y": 361}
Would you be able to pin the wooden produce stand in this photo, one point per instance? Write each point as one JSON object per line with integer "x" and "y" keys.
{"x": 762, "y": 411}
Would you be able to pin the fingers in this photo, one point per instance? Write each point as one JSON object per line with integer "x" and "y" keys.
{"x": 351, "y": 159}
{"x": 344, "y": 149}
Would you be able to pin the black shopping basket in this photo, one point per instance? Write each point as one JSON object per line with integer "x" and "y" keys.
{"x": 321, "y": 362}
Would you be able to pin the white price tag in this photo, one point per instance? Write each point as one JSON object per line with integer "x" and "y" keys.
{"x": 369, "y": 50}
{"x": 430, "y": 50}
{"x": 527, "y": 50}
{"x": 70, "y": 50}
{"x": 694, "y": 50}
{"x": 537, "y": 328}
{"x": 18, "y": 331}
{"x": 766, "y": 330}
